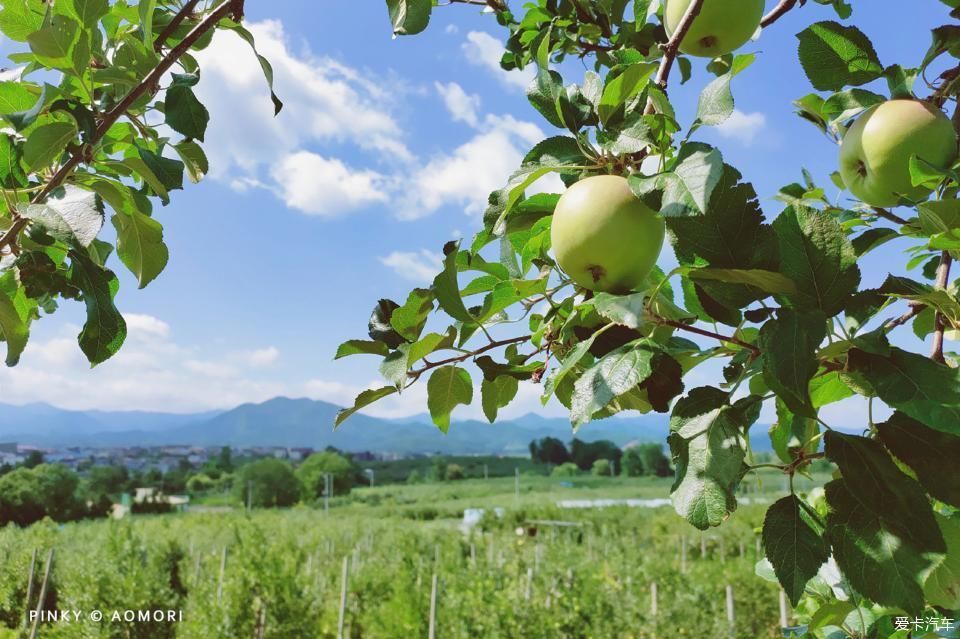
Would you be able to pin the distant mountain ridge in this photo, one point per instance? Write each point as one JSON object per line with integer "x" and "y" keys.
{"x": 308, "y": 423}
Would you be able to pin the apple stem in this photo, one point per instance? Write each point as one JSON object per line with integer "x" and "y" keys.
{"x": 777, "y": 12}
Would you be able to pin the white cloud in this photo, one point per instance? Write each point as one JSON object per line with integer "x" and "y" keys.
{"x": 262, "y": 357}
{"x": 146, "y": 326}
{"x": 416, "y": 267}
{"x": 463, "y": 106}
{"x": 320, "y": 186}
{"x": 325, "y": 103}
{"x": 483, "y": 50}
{"x": 466, "y": 176}
{"x": 743, "y": 127}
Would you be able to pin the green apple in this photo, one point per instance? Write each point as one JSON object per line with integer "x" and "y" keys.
{"x": 876, "y": 150}
{"x": 604, "y": 237}
{"x": 723, "y": 26}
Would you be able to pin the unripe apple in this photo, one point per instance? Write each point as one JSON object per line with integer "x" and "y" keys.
{"x": 876, "y": 150}
{"x": 604, "y": 237}
{"x": 723, "y": 26}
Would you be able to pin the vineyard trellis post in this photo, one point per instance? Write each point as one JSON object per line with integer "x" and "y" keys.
{"x": 731, "y": 613}
{"x": 432, "y": 632}
{"x": 344, "y": 586}
{"x": 223, "y": 570}
{"x": 26, "y": 605}
{"x": 43, "y": 594}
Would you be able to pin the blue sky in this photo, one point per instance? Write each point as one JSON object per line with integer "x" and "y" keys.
{"x": 385, "y": 151}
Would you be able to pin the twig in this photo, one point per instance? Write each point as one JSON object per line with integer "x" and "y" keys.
{"x": 150, "y": 83}
{"x": 777, "y": 12}
{"x": 177, "y": 20}
{"x": 887, "y": 215}
{"x": 753, "y": 348}
{"x": 672, "y": 47}
{"x": 915, "y": 309}
{"x": 415, "y": 374}
{"x": 940, "y": 324}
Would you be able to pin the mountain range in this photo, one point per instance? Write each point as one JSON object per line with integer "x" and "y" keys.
{"x": 309, "y": 423}
{"x": 302, "y": 422}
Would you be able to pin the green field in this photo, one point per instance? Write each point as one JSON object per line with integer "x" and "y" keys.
{"x": 282, "y": 576}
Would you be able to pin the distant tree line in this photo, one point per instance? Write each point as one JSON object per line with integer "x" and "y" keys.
{"x": 601, "y": 457}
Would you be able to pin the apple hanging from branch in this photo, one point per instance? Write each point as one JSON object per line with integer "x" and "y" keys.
{"x": 604, "y": 237}
{"x": 722, "y": 27}
{"x": 876, "y": 150}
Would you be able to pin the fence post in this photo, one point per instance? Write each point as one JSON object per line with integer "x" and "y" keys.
{"x": 784, "y": 610}
{"x": 654, "y": 603}
{"x": 344, "y": 585}
{"x": 432, "y": 634}
{"x": 683, "y": 554}
{"x": 731, "y": 616}
{"x": 529, "y": 591}
{"x": 223, "y": 569}
{"x": 43, "y": 594}
{"x": 26, "y": 605}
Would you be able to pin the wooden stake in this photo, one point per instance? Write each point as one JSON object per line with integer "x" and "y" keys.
{"x": 344, "y": 585}
{"x": 529, "y": 591}
{"x": 432, "y": 633}
{"x": 473, "y": 556}
{"x": 683, "y": 554}
{"x": 654, "y": 603}
{"x": 784, "y": 610}
{"x": 43, "y": 595}
{"x": 731, "y": 616}
{"x": 703, "y": 547}
{"x": 223, "y": 570}
{"x": 33, "y": 569}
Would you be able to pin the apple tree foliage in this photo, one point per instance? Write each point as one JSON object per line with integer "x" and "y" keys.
{"x": 773, "y": 292}
{"x": 100, "y": 118}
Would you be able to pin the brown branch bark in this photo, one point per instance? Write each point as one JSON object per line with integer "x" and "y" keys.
{"x": 887, "y": 215}
{"x": 178, "y": 19}
{"x": 753, "y": 348}
{"x": 940, "y": 324}
{"x": 777, "y": 12}
{"x": 148, "y": 84}
{"x": 415, "y": 374}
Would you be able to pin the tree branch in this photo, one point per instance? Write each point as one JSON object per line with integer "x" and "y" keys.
{"x": 887, "y": 215}
{"x": 915, "y": 309}
{"x": 672, "y": 47}
{"x": 754, "y": 349}
{"x": 777, "y": 12}
{"x": 148, "y": 84}
{"x": 415, "y": 374}
{"x": 178, "y": 19}
{"x": 940, "y": 324}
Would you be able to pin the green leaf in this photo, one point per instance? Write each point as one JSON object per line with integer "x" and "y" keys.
{"x": 105, "y": 329}
{"x": 184, "y": 112}
{"x": 448, "y": 387}
{"x": 265, "y": 65}
{"x": 46, "y": 143}
{"x": 146, "y": 8}
{"x": 871, "y": 239}
{"x": 54, "y": 45}
{"x": 447, "y": 288}
{"x": 816, "y": 254}
{"x": 876, "y": 482}
{"x": 687, "y": 191}
{"x": 496, "y": 394}
{"x": 362, "y": 347}
{"x": 20, "y": 107}
{"x": 920, "y": 387}
{"x": 612, "y": 376}
{"x": 194, "y": 159}
{"x": 623, "y": 88}
{"x": 409, "y": 319}
{"x": 792, "y": 433}
{"x": 716, "y": 100}
{"x": 943, "y": 586}
{"x": 167, "y": 170}
{"x": 884, "y": 562}
{"x": 707, "y": 444}
{"x": 12, "y": 175}
{"x": 846, "y": 105}
{"x": 931, "y": 454}
{"x": 140, "y": 245}
{"x": 789, "y": 344}
{"x": 409, "y": 17}
{"x": 72, "y": 215}
{"x": 766, "y": 281}
{"x": 14, "y": 321}
{"x": 570, "y": 361}
{"x": 380, "y": 327}
{"x": 365, "y": 398}
{"x": 20, "y": 18}
{"x": 88, "y": 12}
{"x": 834, "y": 56}
{"x": 794, "y": 544}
